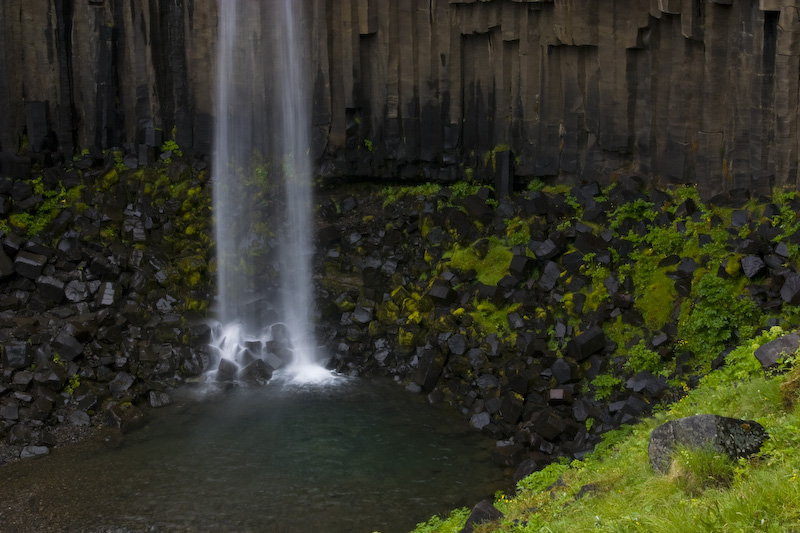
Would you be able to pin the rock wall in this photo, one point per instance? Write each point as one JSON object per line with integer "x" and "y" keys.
{"x": 700, "y": 91}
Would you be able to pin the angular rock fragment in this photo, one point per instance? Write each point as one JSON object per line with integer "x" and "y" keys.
{"x": 770, "y": 354}
{"x": 29, "y": 265}
{"x": 587, "y": 343}
{"x": 483, "y": 511}
{"x": 753, "y": 266}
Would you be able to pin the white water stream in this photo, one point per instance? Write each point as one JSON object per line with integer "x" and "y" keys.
{"x": 262, "y": 114}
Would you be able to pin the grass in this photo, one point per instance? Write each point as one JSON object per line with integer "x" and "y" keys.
{"x": 619, "y": 491}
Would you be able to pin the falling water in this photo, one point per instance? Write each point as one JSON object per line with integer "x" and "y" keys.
{"x": 262, "y": 140}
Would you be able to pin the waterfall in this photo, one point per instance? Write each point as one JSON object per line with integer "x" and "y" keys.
{"x": 262, "y": 158}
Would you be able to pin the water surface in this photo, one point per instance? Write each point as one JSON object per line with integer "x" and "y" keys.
{"x": 360, "y": 456}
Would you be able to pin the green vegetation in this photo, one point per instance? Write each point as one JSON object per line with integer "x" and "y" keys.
{"x": 392, "y": 194}
{"x": 489, "y": 259}
{"x": 491, "y": 319}
{"x": 615, "y": 489}
{"x": 605, "y": 385}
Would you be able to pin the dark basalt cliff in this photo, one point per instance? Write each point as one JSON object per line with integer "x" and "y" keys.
{"x": 689, "y": 91}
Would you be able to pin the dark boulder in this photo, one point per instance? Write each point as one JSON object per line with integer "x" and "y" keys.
{"x": 753, "y": 266}
{"x": 159, "y": 399}
{"x": 124, "y": 416}
{"x": 483, "y": 511}
{"x": 227, "y": 370}
{"x": 67, "y": 346}
{"x": 770, "y": 353}
{"x": 733, "y": 437}
{"x": 587, "y": 343}
{"x": 790, "y": 291}
{"x": 431, "y": 364}
{"x": 29, "y": 265}
{"x": 16, "y": 355}
{"x": 256, "y": 373}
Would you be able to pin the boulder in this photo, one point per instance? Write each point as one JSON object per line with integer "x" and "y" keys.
{"x": 770, "y": 353}
{"x": 29, "y": 452}
{"x": 753, "y": 266}
{"x": 430, "y": 368}
{"x": 124, "y": 416}
{"x": 256, "y": 373}
{"x": 121, "y": 383}
{"x": 483, "y": 511}
{"x": 550, "y": 276}
{"x": 227, "y": 370}
{"x": 67, "y": 346}
{"x": 587, "y": 343}
{"x": 29, "y": 265}
{"x": 16, "y": 355}
{"x": 733, "y": 437}
{"x": 159, "y": 399}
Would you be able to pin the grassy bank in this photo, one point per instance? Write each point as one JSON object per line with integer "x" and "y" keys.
{"x": 615, "y": 489}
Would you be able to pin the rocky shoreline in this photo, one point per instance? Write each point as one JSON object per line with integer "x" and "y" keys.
{"x": 102, "y": 290}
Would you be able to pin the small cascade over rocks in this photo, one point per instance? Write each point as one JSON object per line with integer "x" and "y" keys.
{"x": 255, "y": 359}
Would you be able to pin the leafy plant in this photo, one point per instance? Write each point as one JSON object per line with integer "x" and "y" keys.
{"x": 605, "y": 385}
{"x": 641, "y": 358}
{"x": 709, "y": 318}
{"x": 171, "y": 146}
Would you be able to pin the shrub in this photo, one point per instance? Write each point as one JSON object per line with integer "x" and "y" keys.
{"x": 641, "y": 358}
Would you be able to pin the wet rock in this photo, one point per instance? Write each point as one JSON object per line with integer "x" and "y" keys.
{"x": 124, "y": 416}
{"x": 549, "y": 424}
{"x": 273, "y": 361}
{"x": 733, "y": 437}
{"x": 431, "y": 364}
{"x": 79, "y": 418}
{"x": 256, "y": 373}
{"x": 159, "y": 399}
{"x": 121, "y": 383}
{"x": 21, "y": 380}
{"x": 770, "y": 353}
{"x": 227, "y": 370}
{"x": 30, "y": 452}
{"x": 480, "y": 420}
{"x": 563, "y": 372}
{"x": 512, "y": 407}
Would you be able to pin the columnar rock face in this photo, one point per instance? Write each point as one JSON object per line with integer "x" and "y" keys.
{"x": 703, "y": 91}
